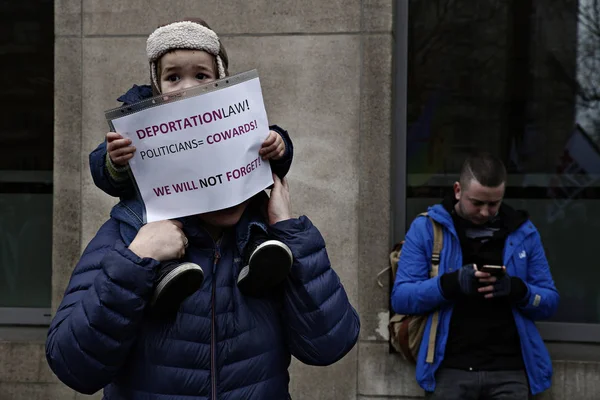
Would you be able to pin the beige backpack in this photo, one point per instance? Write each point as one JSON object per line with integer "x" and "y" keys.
{"x": 406, "y": 331}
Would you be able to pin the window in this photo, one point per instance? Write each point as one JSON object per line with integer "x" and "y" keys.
{"x": 520, "y": 78}
{"x": 26, "y": 160}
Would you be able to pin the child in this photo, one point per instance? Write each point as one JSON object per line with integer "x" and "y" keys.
{"x": 181, "y": 55}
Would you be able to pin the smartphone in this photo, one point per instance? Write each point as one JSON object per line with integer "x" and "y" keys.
{"x": 495, "y": 270}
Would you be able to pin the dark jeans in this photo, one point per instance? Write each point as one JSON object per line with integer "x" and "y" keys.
{"x": 456, "y": 384}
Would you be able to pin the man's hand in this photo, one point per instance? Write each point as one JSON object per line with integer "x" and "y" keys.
{"x": 500, "y": 286}
{"x": 161, "y": 240}
{"x": 273, "y": 147}
{"x": 119, "y": 149}
{"x": 279, "y": 207}
{"x": 467, "y": 281}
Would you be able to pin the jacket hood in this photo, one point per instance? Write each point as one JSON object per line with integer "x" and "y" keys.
{"x": 512, "y": 218}
{"x": 441, "y": 212}
{"x": 135, "y": 94}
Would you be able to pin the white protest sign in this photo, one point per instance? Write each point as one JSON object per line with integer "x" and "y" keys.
{"x": 197, "y": 150}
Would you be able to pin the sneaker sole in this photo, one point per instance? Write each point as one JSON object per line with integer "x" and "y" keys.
{"x": 272, "y": 243}
{"x": 191, "y": 285}
{"x": 254, "y": 281}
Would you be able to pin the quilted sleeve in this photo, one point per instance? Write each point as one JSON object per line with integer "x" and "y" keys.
{"x": 101, "y": 312}
{"x": 110, "y": 179}
{"x": 321, "y": 325}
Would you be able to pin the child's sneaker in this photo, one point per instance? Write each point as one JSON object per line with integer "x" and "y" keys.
{"x": 268, "y": 263}
{"x": 176, "y": 281}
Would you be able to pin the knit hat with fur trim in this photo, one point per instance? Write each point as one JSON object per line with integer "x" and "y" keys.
{"x": 182, "y": 35}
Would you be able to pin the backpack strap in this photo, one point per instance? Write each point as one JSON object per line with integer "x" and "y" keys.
{"x": 438, "y": 242}
{"x": 432, "y": 335}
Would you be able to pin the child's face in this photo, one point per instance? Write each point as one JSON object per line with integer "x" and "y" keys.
{"x": 182, "y": 69}
{"x": 225, "y": 218}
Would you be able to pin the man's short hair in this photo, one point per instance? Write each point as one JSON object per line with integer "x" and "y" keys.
{"x": 485, "y": 168}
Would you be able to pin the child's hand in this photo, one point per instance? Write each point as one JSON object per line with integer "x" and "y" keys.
{"x": 119, "y": 150}
{"x": 273, "y": 147}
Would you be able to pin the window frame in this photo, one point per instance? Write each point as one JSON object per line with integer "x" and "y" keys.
{"x": 40, "y": 180}
{"x": 561, "y": 334}
{"x": 29, "y": 316}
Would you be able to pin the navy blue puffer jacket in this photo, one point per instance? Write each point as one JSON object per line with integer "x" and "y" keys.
{"x": 221, "y": 344}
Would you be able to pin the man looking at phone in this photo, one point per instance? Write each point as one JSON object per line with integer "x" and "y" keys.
{"x": 493, "y": 282}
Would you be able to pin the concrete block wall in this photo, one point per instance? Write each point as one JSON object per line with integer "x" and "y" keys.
{"x": 325, "y": 69}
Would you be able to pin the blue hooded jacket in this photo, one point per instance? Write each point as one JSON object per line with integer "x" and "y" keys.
{"x": 415, "y": 293}
{"x": 221, "y": 344}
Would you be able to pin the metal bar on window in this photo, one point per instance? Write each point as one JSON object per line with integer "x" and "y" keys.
{"x": 398, "y": 164}
{"x": 25, "y": 316}
{"x": 569, "y": 332}
{"x": 26, "y": 176}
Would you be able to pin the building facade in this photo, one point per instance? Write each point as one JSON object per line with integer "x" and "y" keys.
{"x": 382, "y": 98}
